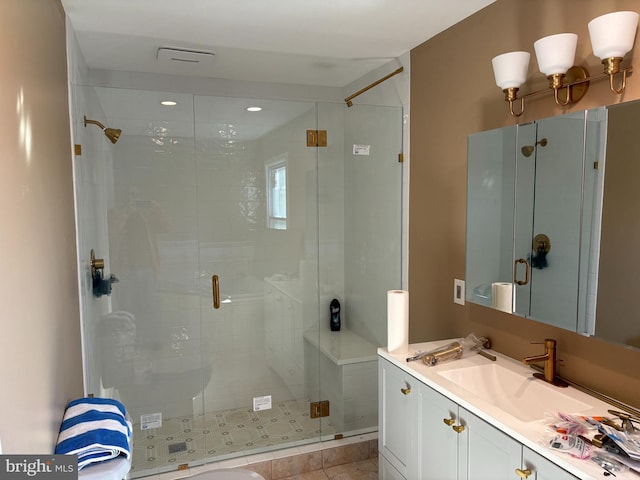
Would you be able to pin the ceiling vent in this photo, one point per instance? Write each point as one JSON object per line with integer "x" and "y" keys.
{"x": 181, "y": 55}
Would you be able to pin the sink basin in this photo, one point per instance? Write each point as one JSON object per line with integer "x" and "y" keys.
{"x": 519, "y": 395}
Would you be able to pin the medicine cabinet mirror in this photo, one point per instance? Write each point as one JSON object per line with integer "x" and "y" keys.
{"x": 551, "y": 237}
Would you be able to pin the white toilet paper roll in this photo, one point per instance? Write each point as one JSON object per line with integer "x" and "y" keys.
{"x": 398, "y": 321}
{"x": 502, "y": 296}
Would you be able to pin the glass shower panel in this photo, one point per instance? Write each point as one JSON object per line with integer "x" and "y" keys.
{"x": 360, "y": 213}
{"x": 151, "y": 341}
{"x": 256, "y": 195}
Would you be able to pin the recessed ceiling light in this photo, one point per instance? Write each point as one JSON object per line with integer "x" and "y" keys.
{"x": 254, "y": 109}
{"x": 168, "y": 103}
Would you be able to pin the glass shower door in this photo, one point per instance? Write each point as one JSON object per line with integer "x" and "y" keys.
{"x": 199, "y": 189}
{"x": 257, "y": 204}
{"x": 206, "y": 188}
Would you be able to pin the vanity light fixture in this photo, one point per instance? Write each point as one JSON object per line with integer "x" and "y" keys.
{"x": 254, "y": 109}
{"x": 612, "y": 36}
{"x": 168, "y": 103}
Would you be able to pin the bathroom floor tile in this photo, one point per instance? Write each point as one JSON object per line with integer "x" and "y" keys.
{"x": 317, "y": 475}
{"x": 363, "y": 470}
{"x": 222, "y": 434}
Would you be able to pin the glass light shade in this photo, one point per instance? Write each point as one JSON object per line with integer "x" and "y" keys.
{"x": 510, "y": 69}
{"x": 556, "y": 53}
{"x": 612, "y": 35}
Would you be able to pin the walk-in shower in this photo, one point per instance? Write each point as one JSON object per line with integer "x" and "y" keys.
{"x": 205, "y": 188}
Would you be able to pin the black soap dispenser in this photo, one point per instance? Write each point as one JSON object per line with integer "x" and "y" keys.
{"x": 334, "y": 309}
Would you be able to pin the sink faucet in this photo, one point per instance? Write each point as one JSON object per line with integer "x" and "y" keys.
{"x": 549, "y": 359}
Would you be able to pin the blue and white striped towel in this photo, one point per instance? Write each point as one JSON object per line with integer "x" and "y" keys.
{"x": 95, "y": 429}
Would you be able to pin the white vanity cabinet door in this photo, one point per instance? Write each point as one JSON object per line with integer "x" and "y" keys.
{"x": 439, "y": 441}
{"x": 541, "y": 468}
{"x": 387, "y": 471}
{"x": 490, "y": 453}
{"x": 398, "y": 396}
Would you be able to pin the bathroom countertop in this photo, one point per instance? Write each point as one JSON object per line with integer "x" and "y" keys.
{"x": 527, "y": 433}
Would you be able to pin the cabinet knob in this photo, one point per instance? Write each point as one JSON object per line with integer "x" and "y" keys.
{"x": 458, "y": 428}
{"x": 406, "y": 391}
{"x": 449, "y": 421}
{"x": 523, "y": 473}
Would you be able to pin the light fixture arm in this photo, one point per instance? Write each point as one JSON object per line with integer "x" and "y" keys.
{"x": 624, "y": 82}
{"x": 568, "y": 99}
{"x": 511, "y": 95}
{"x": 575, "y": 88}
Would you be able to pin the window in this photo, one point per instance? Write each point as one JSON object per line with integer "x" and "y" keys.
{"x": 277, "y": 193}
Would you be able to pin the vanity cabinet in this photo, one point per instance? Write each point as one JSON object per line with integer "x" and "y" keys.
{"x": 398, "y": 402}
{"x": 424, "y": 435}
{"x": 541, "y": 468}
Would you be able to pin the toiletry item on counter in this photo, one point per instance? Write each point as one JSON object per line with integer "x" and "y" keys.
{"x": 334, "y": 310}
{"x": 571, "y": 444}
{"x": 398, "y": 321}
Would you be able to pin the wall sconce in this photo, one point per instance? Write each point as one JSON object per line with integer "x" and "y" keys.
{"x": 612, "y": 36}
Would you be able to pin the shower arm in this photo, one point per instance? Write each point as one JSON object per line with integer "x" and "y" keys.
{"x": 93, "y": 122}
{"x": 369, "y": 87}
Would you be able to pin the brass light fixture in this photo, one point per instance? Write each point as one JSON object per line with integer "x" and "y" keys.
{"x": 113, "y": 134}
{"x": 612, "y": 36}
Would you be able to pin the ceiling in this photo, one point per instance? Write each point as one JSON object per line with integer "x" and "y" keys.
{"x": 308, "y": 42}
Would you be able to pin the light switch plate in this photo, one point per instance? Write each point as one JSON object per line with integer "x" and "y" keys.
{"x": 458, "y": 291}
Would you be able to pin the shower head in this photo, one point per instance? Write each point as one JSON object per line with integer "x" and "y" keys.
{"x": 113, "y": 134}
{"x": 527, "y": 150}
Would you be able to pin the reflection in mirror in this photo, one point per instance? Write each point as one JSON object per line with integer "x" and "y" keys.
{"x": 533, "y": 218}
{"x": 617, "y": 312}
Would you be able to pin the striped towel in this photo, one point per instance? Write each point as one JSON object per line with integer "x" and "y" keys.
{"x": 95, "y": 429}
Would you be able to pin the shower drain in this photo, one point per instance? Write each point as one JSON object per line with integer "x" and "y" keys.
{"x": 178, "y": 447}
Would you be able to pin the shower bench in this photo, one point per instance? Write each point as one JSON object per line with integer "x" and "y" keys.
{"x": 347, "y": 366}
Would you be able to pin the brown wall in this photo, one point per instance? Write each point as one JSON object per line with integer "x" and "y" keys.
{"x": 453, "y": 94}
{"x": 40, "y": 351}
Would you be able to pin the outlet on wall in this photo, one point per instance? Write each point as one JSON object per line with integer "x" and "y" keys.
{"x": 458, "y": 291}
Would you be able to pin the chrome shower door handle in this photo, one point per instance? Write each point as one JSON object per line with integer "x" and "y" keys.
{"x": 215, "y": 286}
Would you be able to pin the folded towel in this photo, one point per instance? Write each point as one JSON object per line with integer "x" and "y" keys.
{"x": 95, "y": 429}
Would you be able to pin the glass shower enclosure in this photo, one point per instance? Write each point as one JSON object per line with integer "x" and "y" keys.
{"x": 227, "y": 237}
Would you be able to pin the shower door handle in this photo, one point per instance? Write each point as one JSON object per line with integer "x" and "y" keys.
{"x": 215, "y": 285}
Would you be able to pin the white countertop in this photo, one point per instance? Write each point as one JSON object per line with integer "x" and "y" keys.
{"x": 527, "y": 433}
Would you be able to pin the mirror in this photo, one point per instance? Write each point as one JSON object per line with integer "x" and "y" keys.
{"x": 544, "y": 227}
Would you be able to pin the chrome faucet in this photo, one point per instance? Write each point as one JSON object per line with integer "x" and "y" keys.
{"x": 549, "y": 359}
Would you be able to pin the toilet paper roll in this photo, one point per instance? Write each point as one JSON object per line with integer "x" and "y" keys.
{"x": 502, "y": 296}
{"x": 398, "y": 321}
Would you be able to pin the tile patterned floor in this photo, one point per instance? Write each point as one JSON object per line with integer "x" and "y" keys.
{"x": 216, "y": 435}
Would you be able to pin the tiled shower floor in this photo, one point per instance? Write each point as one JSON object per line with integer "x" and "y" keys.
{"x": 217, "y": 435}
